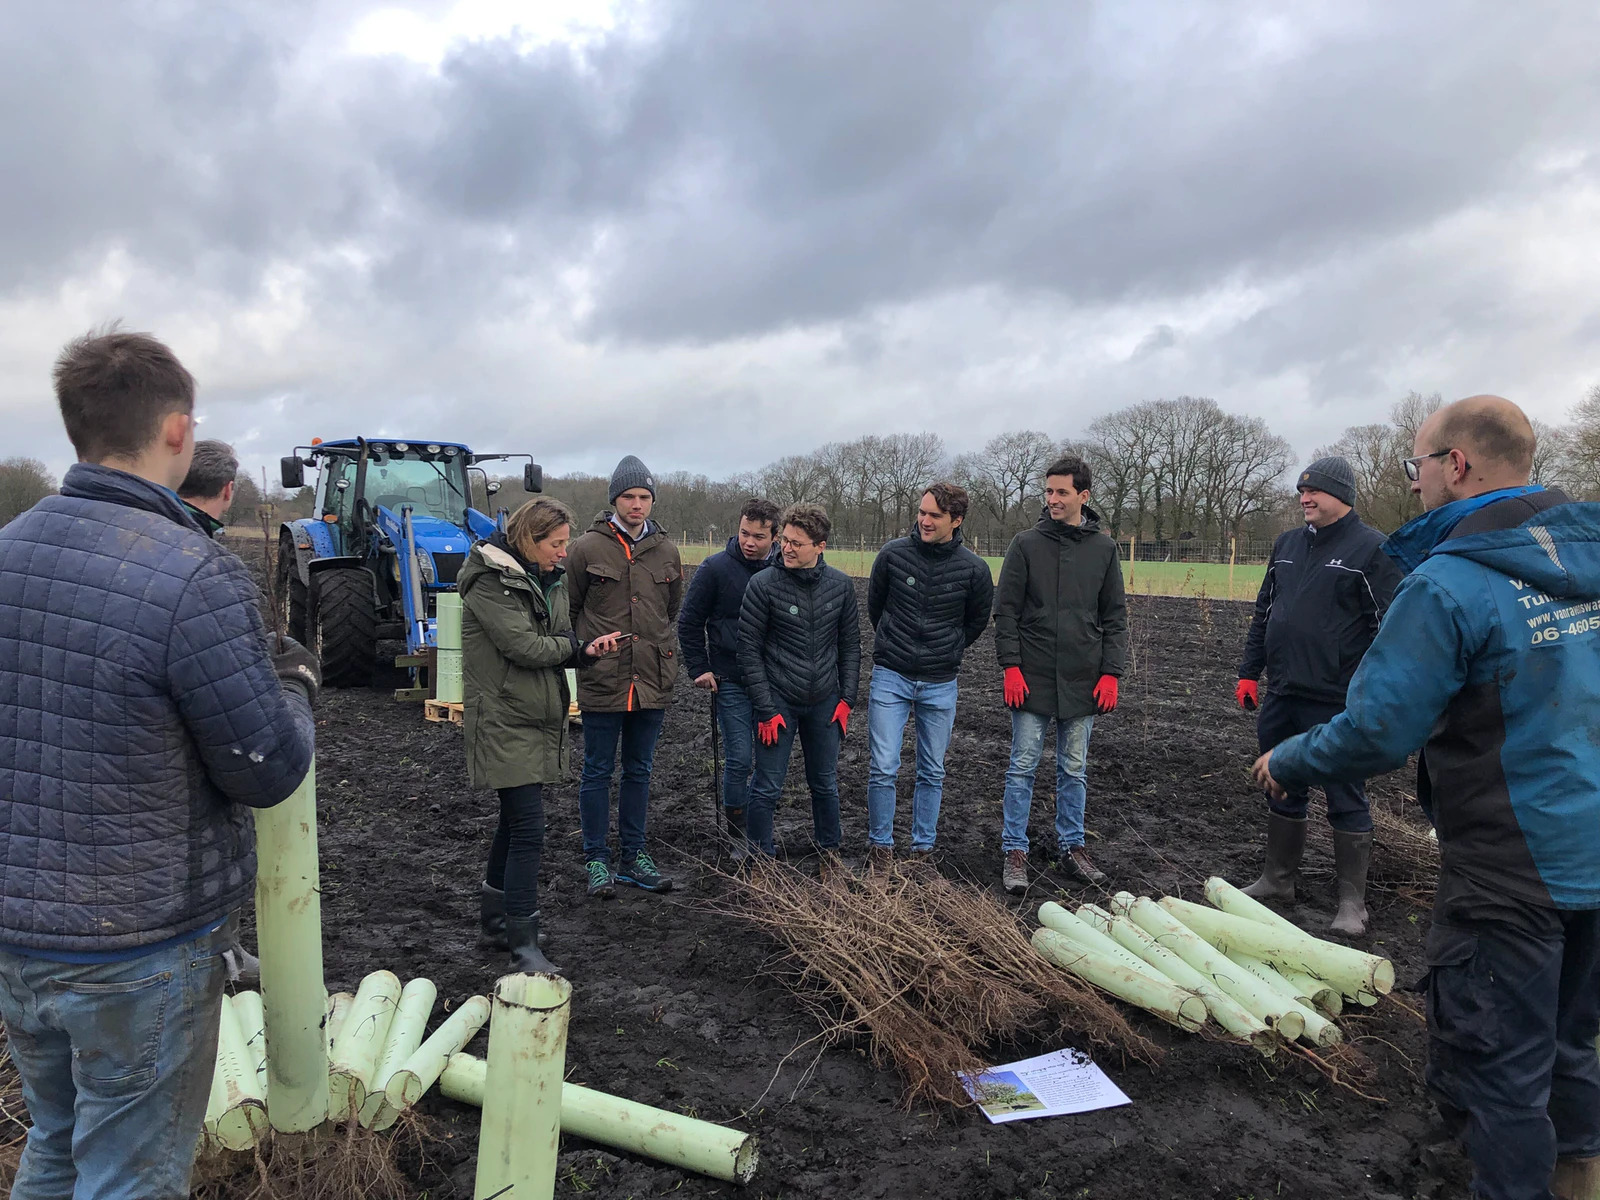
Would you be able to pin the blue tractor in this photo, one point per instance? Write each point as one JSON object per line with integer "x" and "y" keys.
{"x": 393, "y": 521}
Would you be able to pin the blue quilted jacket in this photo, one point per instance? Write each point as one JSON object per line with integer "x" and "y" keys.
{"x": 139, "y": 716}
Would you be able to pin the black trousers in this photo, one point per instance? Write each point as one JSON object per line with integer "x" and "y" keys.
{"x": 517, "y": 848}
{"x": 1513, "y": 1012}
{"x": 1281, "y": 718}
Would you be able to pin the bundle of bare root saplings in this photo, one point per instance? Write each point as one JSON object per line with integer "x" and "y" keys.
{"x": 928, "y": 970}
{"x": 1260, "y": 978}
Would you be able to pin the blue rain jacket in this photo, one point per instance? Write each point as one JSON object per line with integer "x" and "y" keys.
{"x": 1489, "y": 660}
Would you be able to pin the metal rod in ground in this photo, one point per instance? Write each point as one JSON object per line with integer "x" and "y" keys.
{"x": 521, "y": 1128}
{"x": 716, "y": 767}
{"x": 289, "y": 935}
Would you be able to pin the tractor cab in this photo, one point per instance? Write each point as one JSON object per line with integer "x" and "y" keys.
{"x": 392, "y": 523}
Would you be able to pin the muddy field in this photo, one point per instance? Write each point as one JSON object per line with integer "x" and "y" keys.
{"x": 671, "y": 1007}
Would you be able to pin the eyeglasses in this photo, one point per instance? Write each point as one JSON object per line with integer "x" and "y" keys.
{"x": 794, "y": 545}
{"x": 1413, "y": 466}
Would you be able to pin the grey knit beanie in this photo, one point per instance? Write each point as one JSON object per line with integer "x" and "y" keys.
{"x": 631, "y": 473}
{"x": 1332, "y": 475}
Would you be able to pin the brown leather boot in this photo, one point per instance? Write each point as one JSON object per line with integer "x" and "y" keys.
{"x": 1352, "y": 852}
{"x": 1286, "y": 846}
{"x": 1576, "y": 1179}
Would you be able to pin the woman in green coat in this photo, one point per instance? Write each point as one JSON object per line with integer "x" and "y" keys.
{"x": 517, "y": 642}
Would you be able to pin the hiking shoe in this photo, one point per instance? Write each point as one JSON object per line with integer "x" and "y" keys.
{"x": 922, "y": 854}
{"x": 879, "y": 858}
{"x": 1014, "y": 874}
{"x": 602, "y": 883}
{"x": 639, "y": 870}
{"x": 1075, "y": 862}
{"x": 832, "y": 866}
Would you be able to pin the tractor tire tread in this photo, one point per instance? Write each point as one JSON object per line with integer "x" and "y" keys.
{"x": 348, "y": 624}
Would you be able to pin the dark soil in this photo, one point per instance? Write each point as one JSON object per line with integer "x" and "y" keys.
{"x": 671, "y": 1006}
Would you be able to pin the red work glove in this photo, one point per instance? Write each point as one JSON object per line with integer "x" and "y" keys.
{"x": 1246, "y": 695}
{"x": 1105, "y": 693}
{"x": 841, "y": 718}
{"x": 768, "y": 730}
{"x": 1016, "y": 687}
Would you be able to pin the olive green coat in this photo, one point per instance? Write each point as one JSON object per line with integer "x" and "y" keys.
{"x": 635, "y": 589}
{"x": 516, "y": 643}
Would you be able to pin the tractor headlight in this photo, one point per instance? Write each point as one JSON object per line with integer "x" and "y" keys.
{"x": 433, "y": 449}
{"x": 401, "y": 447}
{"x": 424, "y": 567}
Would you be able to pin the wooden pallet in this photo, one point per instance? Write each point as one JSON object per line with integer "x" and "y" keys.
{"x": 443, "y": 710}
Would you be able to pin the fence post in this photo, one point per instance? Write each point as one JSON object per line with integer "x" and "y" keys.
{"x": 1233, "y": 547}
{"x": 1133, "y": 557}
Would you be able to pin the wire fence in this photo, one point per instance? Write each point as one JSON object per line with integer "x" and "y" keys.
{"x": 1237, "y": 551}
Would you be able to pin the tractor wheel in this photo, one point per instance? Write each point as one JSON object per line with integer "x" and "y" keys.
{"x": 345, "y": 623}
{"x": 292, "y": 594}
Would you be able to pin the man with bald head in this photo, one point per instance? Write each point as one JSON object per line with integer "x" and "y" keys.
{"x": 1489, "y": 660}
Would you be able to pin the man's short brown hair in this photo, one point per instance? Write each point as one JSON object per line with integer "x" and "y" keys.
{"x": 115, "y": 389}
{"x": 1073, "y": 465}
{"x": 757, "y": 509}
{"x": 810, "y": 519}
{"x": 952, "y": 500}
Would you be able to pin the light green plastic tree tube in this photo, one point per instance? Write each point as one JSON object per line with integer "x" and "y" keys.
{"x": 247, "y": 1010}
{"x": 1147, "y": 988}
{"x": 405, "y": 1035}
{"x": 289, "y": 937}
{"x": 1095, "y": 917}
{"x": 672, "y": 1138}
{"x": 1054, "y": 917}
{"x": 1263, "y": 1002}
{"x": 242, "y": 1113}
{"x": 1319, "y": 1030}
{"x": 1228, "y": 1012}
{"x": 360, "y": 1041}
{"x": 417, "y": 1074}
{"x": 521, "y": 1129}
{"x": 1231, "y": 900}
{"x": 338, "y": 1012}
{"x": 1349, "y": 970}
{"x": 447, "y": 675}
{"x": 1324, "y": 997}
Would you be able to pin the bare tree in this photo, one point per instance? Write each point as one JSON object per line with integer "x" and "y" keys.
{"x": 23, "y": 483}
{"x": 1582, "y": 469}
{"x": 1012, "y": 464}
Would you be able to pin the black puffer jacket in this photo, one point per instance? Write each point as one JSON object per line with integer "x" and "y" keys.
{"x": 800, "y": 638}
{"x": 928, "y": 603}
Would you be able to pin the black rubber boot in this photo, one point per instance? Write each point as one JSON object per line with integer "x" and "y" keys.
{"x": 1286, "y": 845}
{"x": 523, "y": 935}
{"x": 1352, "y": 854}
{"x": 492, "y": 916}
{"x": 736, "y": 831}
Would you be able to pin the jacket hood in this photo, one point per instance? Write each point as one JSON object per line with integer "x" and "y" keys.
{"x": 1556, "y": 551}
{"x": 494, "y": 554}
{"x": 737, "y": 555}
{"x": 1418, "y": 537}
{"x": 90, "y": 481}
{"x": 1091, "y": 524}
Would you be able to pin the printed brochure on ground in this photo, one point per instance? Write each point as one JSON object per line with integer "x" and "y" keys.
{"x": 1051, "y": 1085}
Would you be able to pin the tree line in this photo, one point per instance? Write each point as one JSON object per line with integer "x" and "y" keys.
{"x": 1167, "y": 472}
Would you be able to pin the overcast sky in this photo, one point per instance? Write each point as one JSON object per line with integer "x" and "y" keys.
{"x": 715, "y": 233}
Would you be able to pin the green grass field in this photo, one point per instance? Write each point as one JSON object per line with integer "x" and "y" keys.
{"x": 1209, "y": 580}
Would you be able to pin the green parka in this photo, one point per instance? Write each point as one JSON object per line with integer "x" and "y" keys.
{"x": 516, "y": 643}
{"x": 636, "y": 589}
{"x": 1060, "y": 614}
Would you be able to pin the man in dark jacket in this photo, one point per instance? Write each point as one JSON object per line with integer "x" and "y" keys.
{"x": 1325, "y": 592}
{"x": 207, "y": 490}
{"x": 1061, "y": 634}
{"x": 800, "y": 651}
{"x": 928, "y": 600}
{"x": 708, "y": 633}
{"x": 144, "y": 716}
{"x": 1489, "y": 659}
{"x": 624, "y": 575}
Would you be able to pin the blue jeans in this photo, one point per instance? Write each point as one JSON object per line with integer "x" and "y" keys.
{"x": 819, "y": 739}
{"x": 892, "y": 699}
{"x": 738, "y": 724}
{"x": 1513, "y": 1009}
{"x": 637, "y": 731}
{"x": 116, "y": 1062}
{"x": 1072, "y": 764}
